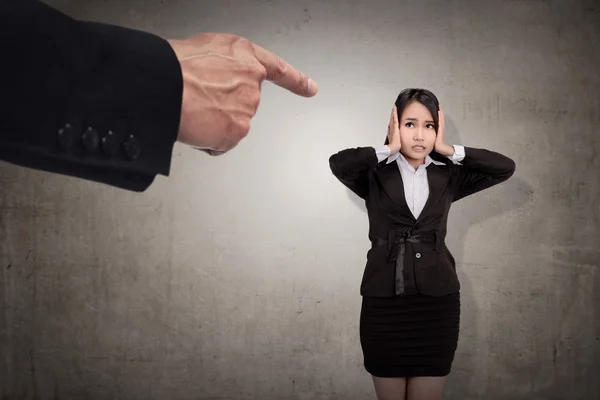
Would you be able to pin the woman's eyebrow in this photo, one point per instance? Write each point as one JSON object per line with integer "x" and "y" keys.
{"x": 415, "y": 119}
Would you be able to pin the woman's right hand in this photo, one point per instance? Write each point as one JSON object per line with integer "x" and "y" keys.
{"x": 394, "y": 132}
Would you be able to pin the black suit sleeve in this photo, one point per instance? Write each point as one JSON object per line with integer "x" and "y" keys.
{"x": 352, "y": 167}
{"x": 84, "y": 99}
{"x": 479, "y": 170}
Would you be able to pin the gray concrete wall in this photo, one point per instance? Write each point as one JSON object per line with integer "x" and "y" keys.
{"x": 237, "y": 277}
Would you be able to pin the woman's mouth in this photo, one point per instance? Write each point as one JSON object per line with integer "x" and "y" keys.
{"x": 418, "y": 148}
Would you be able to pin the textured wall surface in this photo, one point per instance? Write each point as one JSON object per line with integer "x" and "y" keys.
{"x": 238, "y": 276}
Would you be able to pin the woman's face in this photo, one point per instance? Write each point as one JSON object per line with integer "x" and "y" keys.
{"x": 417, "y": 132}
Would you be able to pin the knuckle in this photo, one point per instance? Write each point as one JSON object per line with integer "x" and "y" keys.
{"x": 255, "y": 101}
{"x": 263, "y": 73}
{"x": 239, "y": 127}
{"x": 281, "y": 67}
{"x": 237, "y": 39}
{"x": 250, "y": 95}
{"x": 244, "y": 127}
{"x": 258, "y": 69}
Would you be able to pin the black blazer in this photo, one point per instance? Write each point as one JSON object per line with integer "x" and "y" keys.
{"x": 84, "y": 99}
{"x": 409, "y": 255}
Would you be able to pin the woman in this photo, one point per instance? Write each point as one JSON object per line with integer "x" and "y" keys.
{"x": 411, "y": 302}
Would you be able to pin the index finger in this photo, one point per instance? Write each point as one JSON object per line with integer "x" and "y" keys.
{"x": 394, "y": 116}
{"x": 283, "y": 74}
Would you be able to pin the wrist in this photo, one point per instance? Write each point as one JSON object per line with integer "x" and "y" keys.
{"x": 394, "y": 148}
{"x": 447, "y": 150}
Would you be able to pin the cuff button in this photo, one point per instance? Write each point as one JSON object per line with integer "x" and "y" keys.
{"x": 132, "y": 148}
{"x": 110, "y": 145}
{"x": 66, "y": 137}
{"x": 90, "y": 139}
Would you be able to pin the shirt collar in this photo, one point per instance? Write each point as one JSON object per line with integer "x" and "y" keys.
{"x": 428, "y": 160}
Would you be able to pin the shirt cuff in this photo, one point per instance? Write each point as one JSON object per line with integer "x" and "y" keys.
{"x": 459, "y": 153}
{"x": 382, "y": 153}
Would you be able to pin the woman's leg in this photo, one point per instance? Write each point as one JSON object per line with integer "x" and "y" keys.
{"x": 425, "y": 388}
{"x": 390, "y": 388}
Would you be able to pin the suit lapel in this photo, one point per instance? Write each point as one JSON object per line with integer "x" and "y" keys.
{"x": 391, "y": 181}
{"x": 437, "y": 178}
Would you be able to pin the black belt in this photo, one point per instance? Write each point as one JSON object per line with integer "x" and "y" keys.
{"x": 396, "y": 243}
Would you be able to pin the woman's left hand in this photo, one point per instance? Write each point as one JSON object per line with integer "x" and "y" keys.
{"x": 440, "y": 145}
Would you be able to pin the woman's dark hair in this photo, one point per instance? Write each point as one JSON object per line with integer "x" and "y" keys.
{"x": 425, "y": 97}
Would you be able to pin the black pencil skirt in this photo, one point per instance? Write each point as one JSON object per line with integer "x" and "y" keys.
{"x": 406, "y": 336}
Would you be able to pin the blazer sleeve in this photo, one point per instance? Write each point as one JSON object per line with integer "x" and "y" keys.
{"x": 85, "y": 99}
{"x": 352, "y": 167}
{"x": 481, "y": 169}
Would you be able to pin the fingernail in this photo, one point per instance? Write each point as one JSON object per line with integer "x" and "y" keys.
{"x": 312, "y": 87}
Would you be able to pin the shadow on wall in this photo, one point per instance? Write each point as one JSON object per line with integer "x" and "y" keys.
{"x": 461, "y": 379}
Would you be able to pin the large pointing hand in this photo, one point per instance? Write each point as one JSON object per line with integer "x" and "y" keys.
{"x": 222, "y": 78}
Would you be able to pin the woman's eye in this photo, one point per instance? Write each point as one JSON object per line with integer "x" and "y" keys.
{"x": 408, "y": 124}
{"x": 430, "y": 126}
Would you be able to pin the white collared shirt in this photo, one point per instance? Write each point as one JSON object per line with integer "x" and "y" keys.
{"x": 416, "y": 184}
